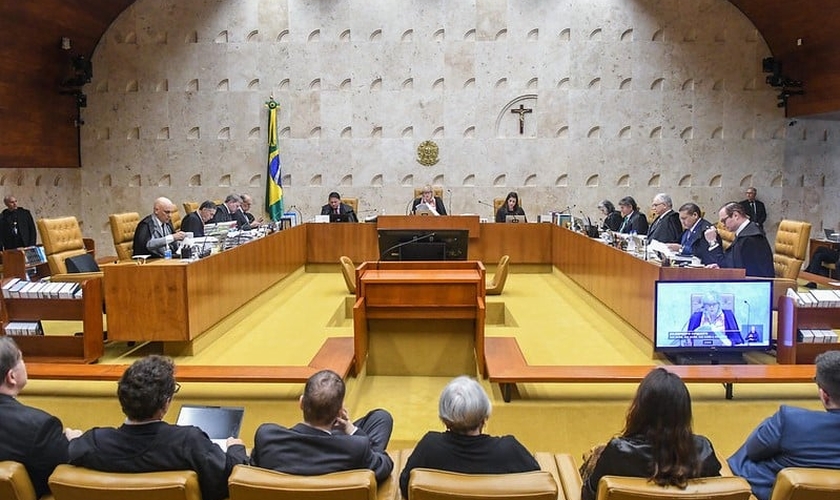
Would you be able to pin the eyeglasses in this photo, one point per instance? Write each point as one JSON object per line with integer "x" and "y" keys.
{"x": 723, "y": 220}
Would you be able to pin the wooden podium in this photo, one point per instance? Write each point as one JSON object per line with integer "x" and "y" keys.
{"x": 419, "y": 318}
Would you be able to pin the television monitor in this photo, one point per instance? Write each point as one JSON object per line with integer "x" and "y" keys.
{"x": 712, "y": 322}
{"x": 419, "y": 244}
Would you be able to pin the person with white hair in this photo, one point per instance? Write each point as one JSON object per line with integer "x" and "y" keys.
{"x": 464, "y": 409}
{"x": 666, "y": 227}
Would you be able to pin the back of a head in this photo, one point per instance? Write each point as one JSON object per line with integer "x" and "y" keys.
{"x": 323, "y": 397}
{"x": 661, "y": 414}
{"x": 828, "y": 374}
{"x": 463, "y": 405}
{"x": 146, "y": 386}
{"x": 10, "y": 355}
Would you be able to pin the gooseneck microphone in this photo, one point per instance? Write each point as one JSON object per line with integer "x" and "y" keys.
{"x": 449, "y": 201}
{"x": 568, "y": 210}
{"x": 401, "y": 244}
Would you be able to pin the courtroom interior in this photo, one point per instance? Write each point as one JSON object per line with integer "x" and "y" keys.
{"x": 108, "y": 105}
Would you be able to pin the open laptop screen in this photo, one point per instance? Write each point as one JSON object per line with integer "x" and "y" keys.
{"x": 218, "y": 422}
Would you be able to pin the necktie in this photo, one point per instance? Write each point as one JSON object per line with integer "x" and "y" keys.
{"x": 623, "y": 224}
{"x": 753, "y": 207}
{"x": 686, "y": 235}
{"x": 335, "y": 211}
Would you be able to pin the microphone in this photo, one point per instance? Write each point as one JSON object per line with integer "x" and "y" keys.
{"x": 567, "y": 209}
{"x": 486, "y": 204}
{"x": 449, "y": 202}
{"x": 415, "y": 239}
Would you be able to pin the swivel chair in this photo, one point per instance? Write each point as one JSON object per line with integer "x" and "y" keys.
{"x": 68, "y": 482}
{"x": 801, "y": 483}
{"x": 497, "y": 284}
{"x": 14, "y": 482}
{"x": 122, "y": 230}
{"x": 254, "y": 483}
{"x": 429, "y": 484}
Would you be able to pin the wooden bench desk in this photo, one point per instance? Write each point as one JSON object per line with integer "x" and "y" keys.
{"x": 507, "y": 366}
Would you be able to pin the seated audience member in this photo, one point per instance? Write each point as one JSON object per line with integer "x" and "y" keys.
{"x": 226, "y": 212}
{"x": 713, "y": 319}
{"x": 632, "y": 219}
{"x": 510, "y": 207}
{"x": 336, "y": 207}
{"x": 28, "y": 435}
{"x": 657, "y": 442}
{"x": 750, "y": 250}
{"x": 155, "y": 233}
{"x": 464, "y": 409}
{"x": 245, "y": 210}
{"x": 612, "y": 217}
{"x": 795, "y": 437}
{"x": 194, "y": 221}
{"x": 822, "y": 255}
{"x": 145, "y": 443}
{"x": 429, "y": 200}
{"x": 17, "y": 229}
{"x": 327, "y": 440}
{"x": 666, "y": 227}
{"x": 692, "y": 242}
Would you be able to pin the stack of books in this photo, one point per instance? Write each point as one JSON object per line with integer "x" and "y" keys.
{"x": 22, "y": 289}
{"x": 24, "y": 328}
{"x": 815, "y": 298}
{"x": 816, "y": 336}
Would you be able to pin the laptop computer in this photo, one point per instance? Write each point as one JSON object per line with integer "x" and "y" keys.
{"x": 218, "y": 422}
{"x": 339, "y": 217}
{"x": 831, "y": 235}
{"x": 514, "y": 218}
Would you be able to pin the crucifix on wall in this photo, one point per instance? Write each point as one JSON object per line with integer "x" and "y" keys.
{"x": 522, "y": 111}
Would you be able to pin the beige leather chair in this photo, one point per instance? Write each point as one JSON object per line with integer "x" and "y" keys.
{"x": 77, "y": 483}
{"x": 707, "y": 488}
{"x": 62, "y": 239}
{"x": 254, "y": 483}
{"x": 437, "y": 191}
{"x": 428, "y": 484}
{"x": 348, "y": 270}
{"x": 352, "y": 202}
{"x": 726, "y": 236}
{"x": 190, "y": 207}
{"x": 790, "y": 248}
{"x": 497, "y": 284}
{"x": 800, "y": 483}
{"x": 122, "y": 230}
{"x": 14, "y": 482}
{"x": 176, "y": 219}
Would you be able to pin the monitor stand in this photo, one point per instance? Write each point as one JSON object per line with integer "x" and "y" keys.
{"x": 708, "y": 358}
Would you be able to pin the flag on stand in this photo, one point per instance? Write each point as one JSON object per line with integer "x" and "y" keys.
{"x": 273, "y": 185}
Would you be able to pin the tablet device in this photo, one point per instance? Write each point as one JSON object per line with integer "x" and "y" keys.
{"x": 218, "y": 422}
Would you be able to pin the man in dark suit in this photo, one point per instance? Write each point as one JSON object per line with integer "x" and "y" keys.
{"x": 226, "y": 212}
{"x": 28, "y": 435}
{"x": 692, "y": 242}
{"x": 754, "y": 208}
{"x": 194, "y": 221}
{"x": 632, "y": 221}
{"x": 17, "y": 229}
{"x": 335, "y": 207}
{"x": 666, "y": 227}
{"x": 327, "y": 440}
{"x": 795, "y": 437}
{"x": 155, "y": 233}
{"x": 145, "y": 443}
{"x": 750, "y": 250}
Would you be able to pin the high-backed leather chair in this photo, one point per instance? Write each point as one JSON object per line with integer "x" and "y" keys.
{"x": 790, "y": 248}
{"x": 14, "y": 482}
{"x": 77, "y": 483}
{"x": 190, "y": 207}
{"x": 726, "y": 236}
{"x": 352, "y": 202}
{"x": 801, "y": 483}
{"x": 176, "y": 219}
{"x": 254, "y": 483}
{"x": 497, "y": 284}
{"x": 122, "y": 230}
{"x": 428, "y": 484}
{"x": 348, "y": 270}
{"x": 62, "y": 239}
{"x": 706, "y": 488}
{"x": 437, "y": 191}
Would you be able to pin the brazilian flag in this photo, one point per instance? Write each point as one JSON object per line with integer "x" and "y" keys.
{"x": 273, "y": 185}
